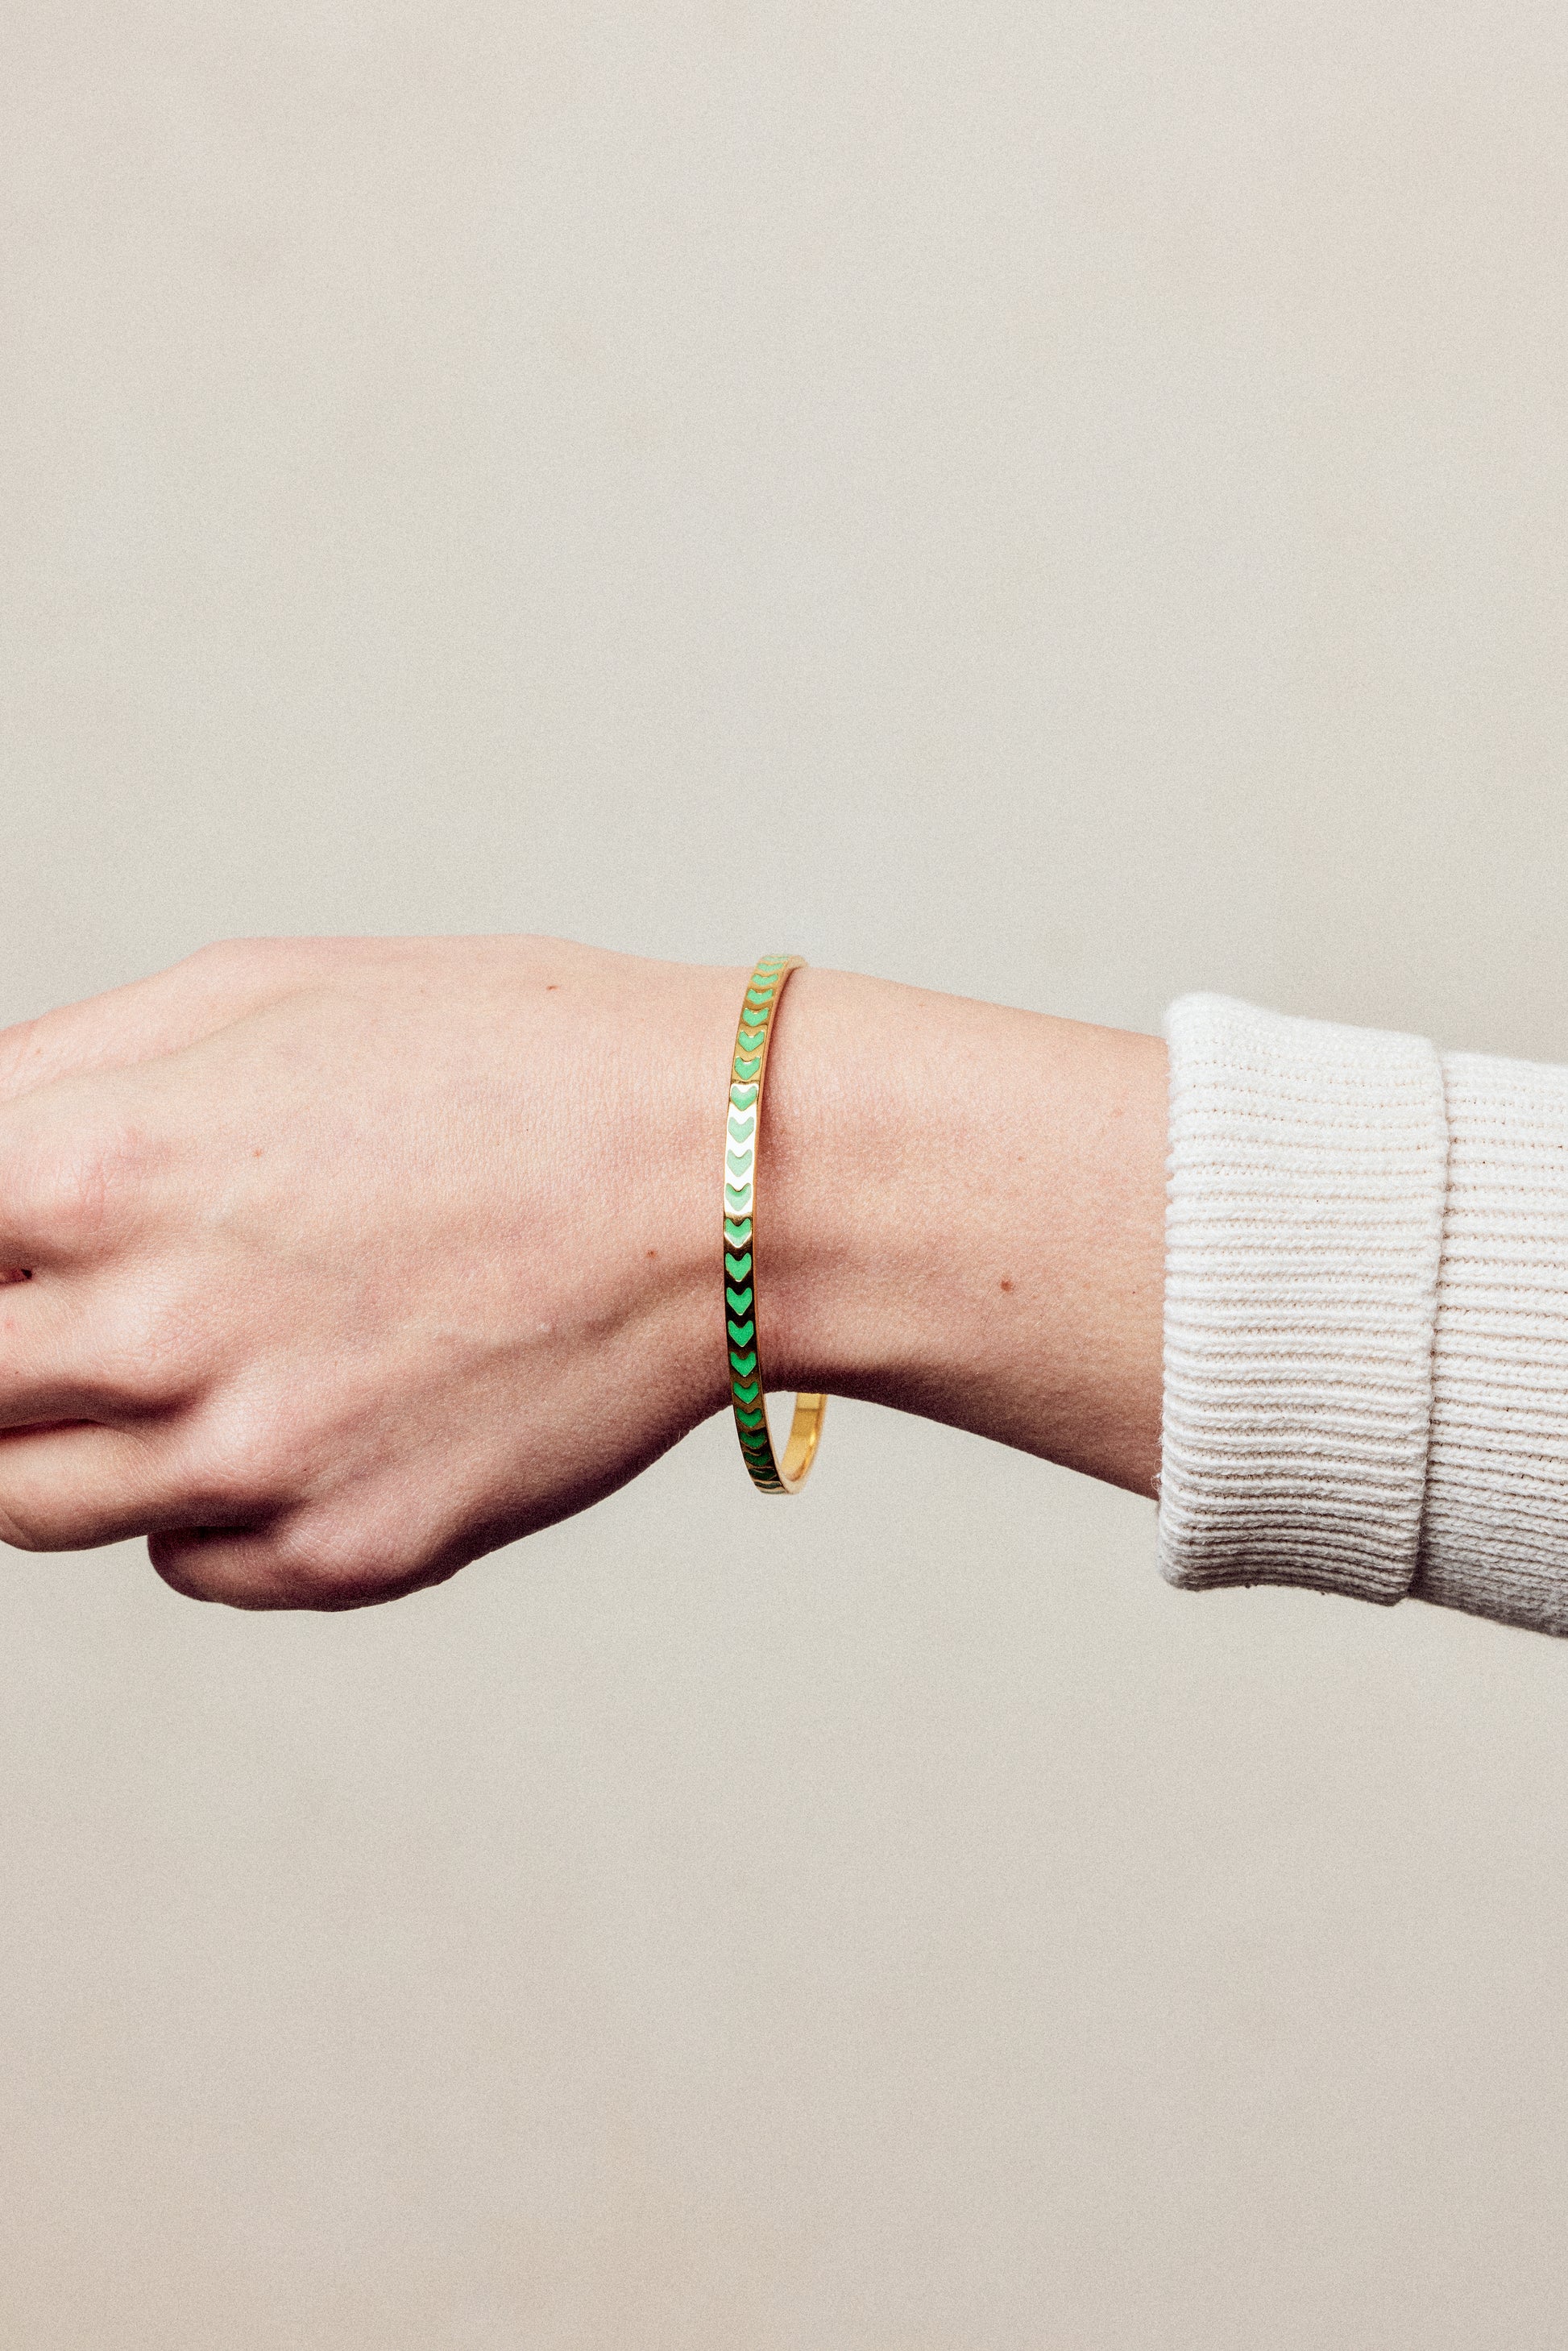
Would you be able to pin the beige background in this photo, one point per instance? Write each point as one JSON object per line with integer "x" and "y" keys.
{"x": 1065, "y": 503}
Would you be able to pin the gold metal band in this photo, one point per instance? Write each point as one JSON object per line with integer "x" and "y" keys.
{"x": 748, "y": 1071}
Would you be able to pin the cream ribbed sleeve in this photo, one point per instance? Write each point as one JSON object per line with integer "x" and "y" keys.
{"x": 1365, "y": 1315}
{"x": 1495, "y": 1536}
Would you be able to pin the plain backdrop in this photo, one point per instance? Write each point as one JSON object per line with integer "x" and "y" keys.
{"x": 1065, "y": 503}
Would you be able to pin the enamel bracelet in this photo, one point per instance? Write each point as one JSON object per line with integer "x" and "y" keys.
{"x": 748, "y": 1073}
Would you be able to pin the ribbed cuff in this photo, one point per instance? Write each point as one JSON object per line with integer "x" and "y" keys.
{"x": 1305, "y": 1218}
{"x": 1495, "y": 1540}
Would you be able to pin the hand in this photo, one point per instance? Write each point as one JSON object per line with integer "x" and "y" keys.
{"x": 339, "y": 1262}
{"x": 347, "y": 1260}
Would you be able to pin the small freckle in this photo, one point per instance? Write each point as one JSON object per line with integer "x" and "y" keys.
{"x": 257, "y": 1151}
{"x": 1006, "y": 1285}
{"x": 551, "y": 987}
{"x": 653, "y": 1252}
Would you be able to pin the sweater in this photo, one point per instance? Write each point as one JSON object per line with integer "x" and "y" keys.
{"x": 1366, "y": 1379}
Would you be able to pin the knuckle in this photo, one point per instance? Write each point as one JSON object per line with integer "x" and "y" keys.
{"x": 79, "y": 1191}
{"x": 249, "y": 1452}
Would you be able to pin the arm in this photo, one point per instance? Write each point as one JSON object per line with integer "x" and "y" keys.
{"x": 346, "y": 1261}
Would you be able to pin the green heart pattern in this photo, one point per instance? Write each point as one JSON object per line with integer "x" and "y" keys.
{"x": 740, "y": 1204}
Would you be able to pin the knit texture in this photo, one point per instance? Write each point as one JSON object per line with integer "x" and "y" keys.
{"x": 1306, "y": 1176}
{"x": 1495, "y": 1540}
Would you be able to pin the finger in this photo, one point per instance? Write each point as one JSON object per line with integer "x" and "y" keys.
{"x": 85, "y": 1347}
{"x": 74, "y": 1488}
{"x": 44, "y": 1355}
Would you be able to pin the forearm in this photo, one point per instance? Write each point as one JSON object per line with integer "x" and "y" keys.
{"x": 961, "y": 1214}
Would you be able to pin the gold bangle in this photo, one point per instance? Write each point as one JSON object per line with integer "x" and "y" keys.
{"x": 748, "y": 1069}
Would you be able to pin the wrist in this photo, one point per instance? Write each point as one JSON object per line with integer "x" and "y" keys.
{"x": 961, "y": 1214}
{"x": 822, "y": 1132}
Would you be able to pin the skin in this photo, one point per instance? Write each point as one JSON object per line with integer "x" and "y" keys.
{"x": 333, "y": 1264}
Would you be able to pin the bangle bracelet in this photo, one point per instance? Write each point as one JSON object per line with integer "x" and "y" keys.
{"x": 748, "y": 1071}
